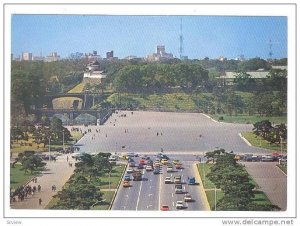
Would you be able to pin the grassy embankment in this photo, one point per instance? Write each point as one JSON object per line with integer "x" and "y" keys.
{"x": 209, "y": 187}
{"x": 186, "y": 102}
{"x": 258, "y": 141}
{"x": 103, "y": 184}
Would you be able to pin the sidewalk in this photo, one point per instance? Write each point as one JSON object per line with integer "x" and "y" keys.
{"x": 57, "y": 173}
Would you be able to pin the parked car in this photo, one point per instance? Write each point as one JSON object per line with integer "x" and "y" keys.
{"x": 267, "y": 158}
{"x": 113, "y": 158}
{"x": 164, "y": 161}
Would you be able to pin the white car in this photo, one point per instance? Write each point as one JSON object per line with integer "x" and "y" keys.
{"x": 179, "y": 205}
{"x": 129, "y": 170}
{"x": 169, "y": 169}
{"x": 168, "y": 180}
{"x": 149, "y": 168}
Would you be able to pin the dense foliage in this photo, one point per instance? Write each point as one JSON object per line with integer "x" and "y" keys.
{"x": 233, "y": 179}
{"x": 81, "y": 191}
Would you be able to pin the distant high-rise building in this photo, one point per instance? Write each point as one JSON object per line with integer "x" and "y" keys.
{"x": 160, "y": 54}
{"x": 53, "y": 56}
{"x": 26, "y": 56}
{"x": 110, "y": 54}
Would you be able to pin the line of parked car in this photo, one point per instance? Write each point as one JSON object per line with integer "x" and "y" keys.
{"x": 262, "y": 158}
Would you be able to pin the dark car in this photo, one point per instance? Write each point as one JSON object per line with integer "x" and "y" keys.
{"x": 156, "y": 171}
{"x": 140, "y": 166}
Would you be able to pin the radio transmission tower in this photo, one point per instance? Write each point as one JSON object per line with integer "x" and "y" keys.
{"x": 270, "y": 50}
{"x": 181, "y": 40}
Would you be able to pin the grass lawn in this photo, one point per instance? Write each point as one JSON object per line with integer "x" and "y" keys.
{"x": 114, "y": 178}
{"x": 257, "y": 141}
{"x": 77, "y": 89}
{"x": 211, "y": 198}
{"x": 18, "y": 176}
{"x": 261, "y": 199}
{"x": 107, "y": 197}
{"x": 249, "y": 119}
{"x": 283, "y": 167}
{"x": 204, "y": 169}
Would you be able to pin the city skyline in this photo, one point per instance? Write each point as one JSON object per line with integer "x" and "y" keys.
{"x": 139, "y": 35}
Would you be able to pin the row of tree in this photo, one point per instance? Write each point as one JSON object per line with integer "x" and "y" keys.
{"x": 233, "y": 179}
{"x": 42, "y": 132}
{"x": 80, "y": 192}
{"x": 273, "y": 134}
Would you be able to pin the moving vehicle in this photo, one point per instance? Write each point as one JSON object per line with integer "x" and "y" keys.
{"x": 137, "y": 175}
{"x": 169, "y": 169}
{"x": 178, "y": 166}
{"x": 130, "y": 170}
{"x": 178, "y": 189}
{"x": 164, "y": 161}
{"x": 168, "y": 180}
{"x": 140, "y": 166}
{"x": 188, "y": 197}
{"x": 127, "y": 178}
{"x": 179, "y": 205}
{"x": 149, "y": 168}
{"x": 177, "y": 179}
{"x": 164, "y": 208}
{"x": 191, "y": 181}
{"x": 156, "y": 171}
{"x": 126, "y": 184}
{"x": 131, "y": 164}
{"x": 175, "y": 161}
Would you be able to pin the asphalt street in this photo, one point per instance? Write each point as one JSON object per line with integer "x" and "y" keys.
{"x": 152, "y": 192}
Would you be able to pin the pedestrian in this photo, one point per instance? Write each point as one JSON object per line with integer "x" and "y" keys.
{"x": 35, "y": 180}
{"x": 54, "y": 188}
{"x": 67, "y": 158}
{"x": 40, "y": 201}
{"x": 39, "y": 188}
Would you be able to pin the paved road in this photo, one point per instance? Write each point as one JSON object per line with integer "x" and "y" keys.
{"x": 57, "y": 173}
{"x": 272, "y": 181}
{"x": 174, "y": 132}
{"x": 152, "y": 192}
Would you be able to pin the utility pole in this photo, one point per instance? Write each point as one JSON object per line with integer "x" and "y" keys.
{"x": 64, "y": 141}
{"x": 49, "y": 148}
{"x": 215, "y": 199}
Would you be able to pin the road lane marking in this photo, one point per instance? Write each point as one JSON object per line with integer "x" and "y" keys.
{"x": 138, "y": 200}
{"x": 159, "y": 192}
{"x": 173, "y": 203}
{"x": 172, "y": 194}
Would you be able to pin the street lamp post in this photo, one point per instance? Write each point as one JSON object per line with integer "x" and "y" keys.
{"x": 49, "y": 148}
{"x": 281, "y": 145}
{"x": 109, "y": 180}
{"x": 64, "y": 141}
{"x": 215, "y": 199}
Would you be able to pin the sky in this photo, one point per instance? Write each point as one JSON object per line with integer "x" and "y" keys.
{"x": 203, "y": 36}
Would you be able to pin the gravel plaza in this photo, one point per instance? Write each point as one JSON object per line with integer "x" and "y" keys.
{"x": 143, "y": 131}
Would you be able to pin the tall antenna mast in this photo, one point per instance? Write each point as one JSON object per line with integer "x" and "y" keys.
{"x": 181, "y": 40}
{"x": 270, "y": 51}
